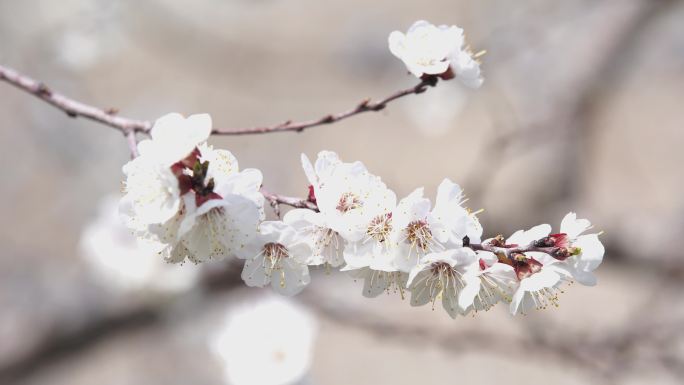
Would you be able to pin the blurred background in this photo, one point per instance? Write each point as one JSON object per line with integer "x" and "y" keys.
{"x": 581, "y": 110}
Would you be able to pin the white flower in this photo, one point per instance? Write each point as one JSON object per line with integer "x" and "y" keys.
{"x": 175, "y": 137}
{"x": 412, "y": 231}
{"x": 122, "y": 262}
{"x": 349, "y": 199}
{"x": 441, "y": 276}
{"x": 544, "y": 276}
{"x": 348, "y": 196}
{"x": 452, "y": 221}
{"x": 217, "y": 229}
{"x": 325, "y": 163}
{"x": 219, "y": 210}
{"x": 327, "y": 245}
{"x": 541, "y": 276}
{"x": 427, "y": 49}
{"x": 376, "y": 249}
{"x": 375, "y": 282}
{"x": 489, "y": 283}
{"x": 584, "y": 251}
{"x": 269, "y": 342}
{"x": 152, "y": 194}
{"x": 419, "y": 231}
{"x": 277, "y": 256}
{"x": 227, "y": 177}
{"x": 587, "y": 249}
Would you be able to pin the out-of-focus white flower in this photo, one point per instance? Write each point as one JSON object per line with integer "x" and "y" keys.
{"x": 441, "y": 276}
{"x": 427, "y": 49}
{"x": 121, "y": 261}
{"x": 268, "y": 342}
{"x": 175, "y": 137}
{"x": 79, "y": 50}
{"x": 437, "y": 115}
{"x": 277, "y": 256}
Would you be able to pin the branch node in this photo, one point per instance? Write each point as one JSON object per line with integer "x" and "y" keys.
{"x": 112, "y": 111}
{"x": 43, "y": 90}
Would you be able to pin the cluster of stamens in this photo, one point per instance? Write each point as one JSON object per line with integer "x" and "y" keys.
{"x": 418, "y": 235}
{"x": 273, "y": 254}
{"x": 443, "y": 278}
{"x": 348, "y": 201}
{"x": 380, "y": 228}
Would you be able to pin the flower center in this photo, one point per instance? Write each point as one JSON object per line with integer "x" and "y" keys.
{"x": 274, "y": 252}
{"x": 380, "y": 227}
{"x": 348, "y": 201}
{"x": 418, "y": 234}
{"x": 443, "y": 280}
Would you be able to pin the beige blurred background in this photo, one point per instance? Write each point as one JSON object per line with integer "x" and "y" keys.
{"x": 581, "y": 111}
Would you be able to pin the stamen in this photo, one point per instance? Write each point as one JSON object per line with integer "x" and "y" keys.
{"x": 348, "y": 201}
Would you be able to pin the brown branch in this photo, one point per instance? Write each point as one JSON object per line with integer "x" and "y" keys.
{"x": 108, "y": 117}
{"x": 510, "y": 250}
{"x": 364, "y": 106}
{"x": 276, "y": 200}
{"x": 70, "y": 106}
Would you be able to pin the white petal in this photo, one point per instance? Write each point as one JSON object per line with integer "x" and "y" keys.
{"x": 294, "y": 278}
{"x": 254, "y": 274}
{"x": 572, "y": 226}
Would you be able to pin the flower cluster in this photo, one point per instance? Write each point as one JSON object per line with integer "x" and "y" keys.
{"x": 188, "y": 196}
{"x": 194, "y": 201}
{"x": 121, "y": 263}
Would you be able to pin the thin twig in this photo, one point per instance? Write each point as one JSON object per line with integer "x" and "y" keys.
{"x": 364, "y": 106}
{"x": 277, "y": 199}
